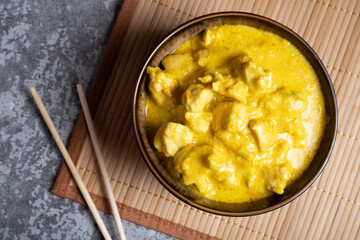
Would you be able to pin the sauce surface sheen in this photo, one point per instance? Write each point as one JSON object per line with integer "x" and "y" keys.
{"x": 236, "y": 113}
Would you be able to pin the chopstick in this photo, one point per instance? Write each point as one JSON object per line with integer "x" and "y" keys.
{"x": 70, "y": 164}
{"x": 101, "y": 163}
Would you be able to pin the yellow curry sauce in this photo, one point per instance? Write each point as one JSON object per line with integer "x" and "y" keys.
{"x": 236, "y": 113}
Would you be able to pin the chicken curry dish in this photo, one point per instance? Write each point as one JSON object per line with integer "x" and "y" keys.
{"x": 235, "y": 113}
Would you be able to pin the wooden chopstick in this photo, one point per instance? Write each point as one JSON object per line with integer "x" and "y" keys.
{"x": 101, "y": 163}
{"x": 71, "y": 165}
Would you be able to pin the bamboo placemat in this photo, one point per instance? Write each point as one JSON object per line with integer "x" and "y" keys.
{"x": 328, "y": 210}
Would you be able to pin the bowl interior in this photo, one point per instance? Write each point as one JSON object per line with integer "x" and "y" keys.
{"x": 169, "y": 44}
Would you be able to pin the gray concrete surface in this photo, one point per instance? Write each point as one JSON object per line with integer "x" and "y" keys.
{"x": 51, "y": 45}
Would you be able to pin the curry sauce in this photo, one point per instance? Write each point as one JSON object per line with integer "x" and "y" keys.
{"x": 236, "y": 113}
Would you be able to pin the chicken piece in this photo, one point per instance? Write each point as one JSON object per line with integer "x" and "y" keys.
{"x": 279, "y": 152}
{"x": 230, "y": 116}
{"x": 297, "y": 157}
{"x": 213, "y": 58}
{"x": 272, "y": 102}
{"x": 294, "y": 104}
{"x": 277, "y": 177}
{"x": 206, "y": 79}
{"x": 264, "y": 132}
{"x": 204, "y": 184}
{"x": 161, "y": 85}
{"x": 242, "y": 144}
{"x": 285, "y": 105}
{"x": 297, "y": 131}
{"x": 204, "y": 165}
{"x": 251, "y": 177}
{"x": 217, "y": 160}
{"x": 199, "y": 122}
{"x": 171, "y": 137}
{"x": 257, "y": 79}
{"x": 263, "y": 84}
{"x": 190, "y": 163}
{"x": 196, "y": 97}
{"x": 207, "y": 37}
{"x": 220, "y": 161}
{"x": 212, "y": 36}
{"x": 180, "y": 65}
{"x": 230, "y": 87}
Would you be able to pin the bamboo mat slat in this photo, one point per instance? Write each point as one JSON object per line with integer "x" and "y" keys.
{"x": 328, "y": 210}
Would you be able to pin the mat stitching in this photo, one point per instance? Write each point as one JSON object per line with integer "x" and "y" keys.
{"x": 172, "y": 8}
{"x": 336, "y": 7}
{"x": 182, "y": 204}
{"x": 243, "y": 227}
{"x": 349, "y": 136}
{"x": 336, "y": 195}
{"x": 316, "y": 1}
{"x": 344, "y": 71}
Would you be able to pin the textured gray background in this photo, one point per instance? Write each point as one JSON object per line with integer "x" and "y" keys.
{"x": 51, "y": 45}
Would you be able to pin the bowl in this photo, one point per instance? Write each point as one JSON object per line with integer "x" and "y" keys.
{"x": 165, "y": 47}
